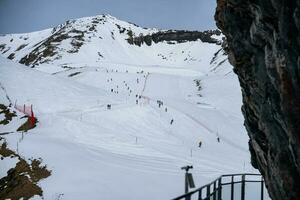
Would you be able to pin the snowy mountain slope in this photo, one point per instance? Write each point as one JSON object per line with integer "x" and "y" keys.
{"x": 131, "y": 151}
{"x": 105, "y": 39}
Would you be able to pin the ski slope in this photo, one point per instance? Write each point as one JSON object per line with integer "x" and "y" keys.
{"x": 130, "y": 151}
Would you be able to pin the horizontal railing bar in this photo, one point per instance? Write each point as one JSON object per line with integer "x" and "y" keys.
{"x": 251, "y": 181}
{"x": 226, "y": 175}
{"x": 229, "y": 183}
{"x": 247, "y": 174}
{"x": 189, "y": 194}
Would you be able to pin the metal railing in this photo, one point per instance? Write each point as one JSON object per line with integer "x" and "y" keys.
{"x": 234, "y": 185}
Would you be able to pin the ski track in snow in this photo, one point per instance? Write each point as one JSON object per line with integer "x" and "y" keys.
{"x": 158, "y": 150}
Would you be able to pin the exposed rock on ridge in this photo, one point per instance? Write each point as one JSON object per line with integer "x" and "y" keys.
{"x": 175, "y": 36}
{"x": 264, "y": 47}
{"x": 47, "y": 49}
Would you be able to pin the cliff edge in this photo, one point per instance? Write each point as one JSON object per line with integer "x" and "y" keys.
{"x": 264, "y": 48}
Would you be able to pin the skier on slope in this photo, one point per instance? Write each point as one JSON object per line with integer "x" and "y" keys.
{"x": 171, "y": 122}
{"x": 200, "y": 144}
{"x": 159, "y": 102}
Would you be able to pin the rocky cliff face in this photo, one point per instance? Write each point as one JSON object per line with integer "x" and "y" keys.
{"x": 172, "y": 36}
{"x": 264, "y": 48}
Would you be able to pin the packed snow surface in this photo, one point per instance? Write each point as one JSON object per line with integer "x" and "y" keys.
{"x": 131, "y": 151}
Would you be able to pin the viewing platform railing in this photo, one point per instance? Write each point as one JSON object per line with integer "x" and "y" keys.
{"x": 230, "y": 187}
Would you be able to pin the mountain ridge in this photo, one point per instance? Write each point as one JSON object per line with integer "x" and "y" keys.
{"x": 100, "y": 34}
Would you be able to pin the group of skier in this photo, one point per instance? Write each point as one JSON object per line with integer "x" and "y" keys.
{"x": 160, "y": 104}
{"x": 138, "y": 98}
{"x": 200, "y": 142}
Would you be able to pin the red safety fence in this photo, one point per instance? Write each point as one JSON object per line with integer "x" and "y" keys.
{"x": 28, "y": 111}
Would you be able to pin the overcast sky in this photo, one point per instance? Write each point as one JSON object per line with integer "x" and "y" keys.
{"x": 17, "y": 16}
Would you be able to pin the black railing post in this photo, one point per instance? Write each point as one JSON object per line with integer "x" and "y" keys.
{"x": 232, "y": 188}
{"x": 215, "y": 192}
{"x": 207, "y": 191}
{"x": 188, "y": 197}
{"x": 243, "y": 188}
{"x": 200, "y": 194}
{"x": 214, "y": 189}
{"x": 186, "y": 185}
{"x": 220, "y": 188}
{"x": 262, "y": 189}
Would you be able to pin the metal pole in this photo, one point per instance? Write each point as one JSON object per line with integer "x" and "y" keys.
{"x": 220, "y": 189}
{"x": 232, "y": 188}
{"x": 186, "y": 187}
{"x": 208, "y": 192}
{"x": 186, "y": 183}
{"x": 262, "y": 189}
{"x": 200, "y": 195}
{"x": 215, "y": 192}
{"x": 188, "y": 197}
{"x": 243, "y": 188}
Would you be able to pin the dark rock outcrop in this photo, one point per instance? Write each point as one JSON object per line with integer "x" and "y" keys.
{"x": 264, "y": 47}
{"x": 175, "y": 36}
{"x": 47, "y": 50}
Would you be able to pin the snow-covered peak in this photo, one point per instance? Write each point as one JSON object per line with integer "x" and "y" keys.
{"x": 97, "y": 22}
{"x": 106, "y": 39}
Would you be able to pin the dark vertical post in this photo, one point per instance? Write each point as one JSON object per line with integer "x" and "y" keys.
{"x": 262, "y": 189}
{"x": 200, "y": 195}
{"x": 220, "y": 189}
{"x": 215, "y": 192}
{"x": 188, "y": 197}
{"x": 243, "y": 188}
{"x": 232, "y": 188}
{"x": 186, "y": 187}
{"x": 186, "y": 183}
{"x": 207, "y": 191}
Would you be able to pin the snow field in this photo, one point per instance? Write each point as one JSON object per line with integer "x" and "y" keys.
{"x": 130, "y": 151}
